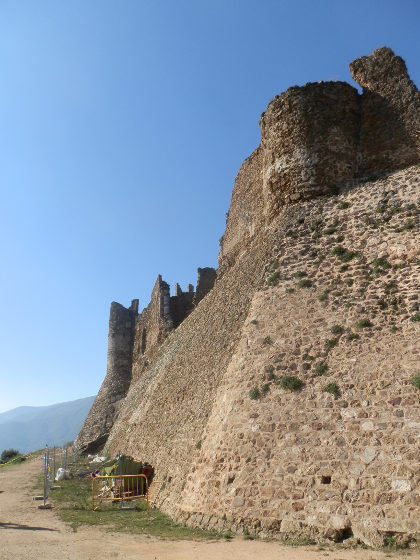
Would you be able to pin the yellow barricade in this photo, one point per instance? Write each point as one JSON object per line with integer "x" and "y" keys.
{"x": 118, "y": 488}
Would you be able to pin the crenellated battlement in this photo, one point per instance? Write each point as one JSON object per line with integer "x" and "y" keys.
{"x": 133, "y": 341}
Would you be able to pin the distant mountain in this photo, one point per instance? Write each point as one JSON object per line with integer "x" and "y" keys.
{"x": 28, "y": 428}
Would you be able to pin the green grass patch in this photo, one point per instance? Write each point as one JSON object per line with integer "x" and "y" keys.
{"x": 364, "y": 324}
{"x": 336, "y": 329}
{"x": 265, "y": 388}
{"x": 290, "y": 383}
{"x": 254, "y": 394}
{"x": 305, "y": 283}
{"x": 415, "y": 318}
{"x": 320, "y": 369}
{"x": 333, "y": 389}
{"x": 415, "y": 381}
{"x": 380, "y": 265}
{"x": 352, "y": 336}
{"x": 343, "y": 254}
{"x": 331, "y": 342}
{"x": 273, "y": 280}
{"x": 73, "y": 504}
{"x": 324, "y": 295}
{"x": 330, "y": 230}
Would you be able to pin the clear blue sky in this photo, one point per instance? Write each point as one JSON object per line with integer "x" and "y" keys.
{"x": 123, "y": 125}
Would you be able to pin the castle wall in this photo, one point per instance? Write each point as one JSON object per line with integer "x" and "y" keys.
{"x": 114, "y": 388}
{"x": 390, "y": 112}
{"x": 234, "y": 463}
{"x": 322, "y": 136}
{"x": 205, "y": 282}
{"x": 309, "y": 137}
{"x": 325, "y": 292}
{"x": 151, "y": 327}
{"x": 133, "y": 343}
{"x": 245, "y": 211}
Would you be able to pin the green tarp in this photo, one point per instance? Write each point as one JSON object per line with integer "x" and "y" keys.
{"x": 121, "y": 465}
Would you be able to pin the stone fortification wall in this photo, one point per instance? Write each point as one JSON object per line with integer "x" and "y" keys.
{"x": 324, "y": 294}
{"x": 205, "y": 282}
{"x": 390, "y": 112}
{"x": 312, "y": 462}
{"x": 309, "y": 137}
{"x": 321, "y": 136}
{"x": 302, "y": 463}
{"x": 245, "y": 213}
{"x": 133, "y": 342}
{"x": 166, "y": 409}
{"x": 114, "y": 388}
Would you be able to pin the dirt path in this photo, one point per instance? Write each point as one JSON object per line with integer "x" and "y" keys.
{"x": 27, "y": 532}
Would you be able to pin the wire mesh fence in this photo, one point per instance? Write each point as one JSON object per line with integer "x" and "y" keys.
{"x": 55, "y": 458}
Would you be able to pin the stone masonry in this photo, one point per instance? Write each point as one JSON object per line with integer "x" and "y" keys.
{"x": 281, "y": 399}
{"x": 321, "y": 136}
{"x": 133, "y": 342}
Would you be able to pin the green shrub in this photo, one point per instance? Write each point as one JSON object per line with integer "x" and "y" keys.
{"x": 8, "y": 454}
{"x": 254, "y": 322}
{"x": 273, "y": 280}
{"x": 267, "y": 340}
{"x": 290, "y": 382}
{"x": 300, "y": 274}
{"x": 198, "y": 444}
{"x": 390, "y": 542}
{"x": 315, "y": 224}
{"x": 352, "y": 336}
{"x": 415, "y": 318}
{"x": 254, "y": 394}
{"x": 307, "y": 358}
{"x": 331, "y": 342}
{"x": 324, "y": 295}
{"x": 305, "y": 283}
{"x": 248, "y": 536}
{"x": 415, "y": 382}
{"x": 333, "y": 389}
{"x": 320, "y": 369}
{"x": 349, "y": 281}
{"x": 408, "y": 225}
{"x": 344, "y": 205}
{"x": 330, "y": 230}
{"x": 364, "y": 324}
{"x": 344, "y": 267}
{"x": 380, "y": 265}
{"x": 265, "y": 388}
{"x": 343, "y": 254}
{"x": 336, "y": 329}
{"x": 393, "y": 329}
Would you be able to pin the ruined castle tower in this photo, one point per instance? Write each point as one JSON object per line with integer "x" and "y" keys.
{"x": 133, "y": 341}
{"x": 317, "y": 284}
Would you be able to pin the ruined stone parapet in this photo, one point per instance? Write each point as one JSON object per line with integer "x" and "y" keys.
{"x": 309, "y": 138}
{"x": 114, "y": 388}
{"x": 245, "y": 211}
{"x": 390, "y": 112}
{"x": 205, "y": 282}
{"x": 320, "y": 137}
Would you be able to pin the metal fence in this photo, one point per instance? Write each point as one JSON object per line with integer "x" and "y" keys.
{"x": 120, "y": 488}
{"x": 54, "y": 459}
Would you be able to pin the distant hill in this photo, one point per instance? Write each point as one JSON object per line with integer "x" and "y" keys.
{"x": 27, "y": 428}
